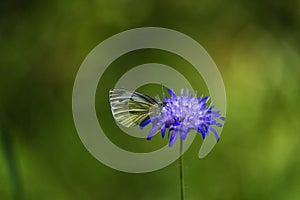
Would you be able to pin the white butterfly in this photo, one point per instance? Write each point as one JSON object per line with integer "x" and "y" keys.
{"x": 131, "y": 108}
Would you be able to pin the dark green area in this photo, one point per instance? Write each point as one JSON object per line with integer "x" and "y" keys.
{"x": 255, "y": 45}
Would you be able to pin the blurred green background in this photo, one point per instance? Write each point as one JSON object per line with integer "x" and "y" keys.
{"x": 256, "y": 46}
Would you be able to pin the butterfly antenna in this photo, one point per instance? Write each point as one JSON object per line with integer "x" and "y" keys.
{"x": 163, "y": 92}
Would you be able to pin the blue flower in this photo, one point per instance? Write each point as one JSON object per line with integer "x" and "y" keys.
{"x": 183, "y": 113}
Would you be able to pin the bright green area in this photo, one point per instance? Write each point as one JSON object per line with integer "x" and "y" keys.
{"x": 255, "y": 45}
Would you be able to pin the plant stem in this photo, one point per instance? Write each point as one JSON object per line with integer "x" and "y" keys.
{"x": 9, "y": 156}
{"x": 181, "y": 177}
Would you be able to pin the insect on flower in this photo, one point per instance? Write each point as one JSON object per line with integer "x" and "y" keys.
{"x": 178, "y": 114}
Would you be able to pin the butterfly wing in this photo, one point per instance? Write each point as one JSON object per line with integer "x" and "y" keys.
{"x": 131, "y": 108}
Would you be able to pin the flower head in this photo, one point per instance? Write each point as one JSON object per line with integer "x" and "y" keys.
{"x": 180, "y": 114}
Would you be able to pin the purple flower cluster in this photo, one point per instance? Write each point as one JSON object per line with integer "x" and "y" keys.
{"x": 182, "y": 113}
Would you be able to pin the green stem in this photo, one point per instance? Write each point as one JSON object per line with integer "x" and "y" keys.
{"x": 9, "y": 156}
{"x": 181, "y": 176}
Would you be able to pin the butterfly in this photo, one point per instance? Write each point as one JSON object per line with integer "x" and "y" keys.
{"x": 131, "y": 108}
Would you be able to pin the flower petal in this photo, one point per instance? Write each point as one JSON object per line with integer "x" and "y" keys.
{"x": 152, "y": 132}
{"x": 206, "y": 129}
{"x": 202, "y": 131}
{"x": 219, "y": 124}
{"x": 173, "y": 137}
{"x": 203, "y": 100}
{"x": 172, "y": 94}
{"x": 163, "y": 130}
{"x": 145, "y": 123}
{"x": 215, "y": 133}
{"x": 183, "y": 134}
{"x": 181, "y": 91}
{"x": 169, "y": 132}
